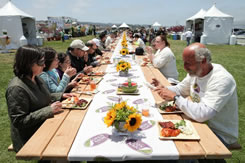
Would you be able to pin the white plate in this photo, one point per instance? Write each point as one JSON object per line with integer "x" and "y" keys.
{"x": 181, "y": 136}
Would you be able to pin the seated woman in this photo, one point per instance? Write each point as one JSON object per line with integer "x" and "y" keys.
{"x": 64, "y": 63}
{"x": 28, "y": 99}
{"x": 164, "y": 58}
{"x": 50, "y": 75}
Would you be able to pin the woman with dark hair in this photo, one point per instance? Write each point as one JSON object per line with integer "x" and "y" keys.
{"x": 64, "y": 63}
{"x": 50, "y": 75}
{"x": 28, "y": 99}
{"x": 164, "y": 58}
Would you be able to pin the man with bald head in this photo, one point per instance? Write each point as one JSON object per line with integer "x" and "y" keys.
{"x": 212, "y": 90}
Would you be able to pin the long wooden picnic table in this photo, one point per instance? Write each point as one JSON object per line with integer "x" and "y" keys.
{"x": 53, "y": 140}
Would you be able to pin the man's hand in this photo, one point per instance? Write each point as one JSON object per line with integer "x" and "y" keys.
{"x": 88, "y": 69}
{"x": 156, "y": 83}
{"x": 165, "y": 93}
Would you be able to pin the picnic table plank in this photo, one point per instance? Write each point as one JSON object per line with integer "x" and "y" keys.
{"x": 35, "y": 146}
{"x": 148, "y": 76}
{"x": 158, "y": 75}
{"x": 208, "y": 138}
{"x": 64, "y": 137}
{"x": 187, "y": 149}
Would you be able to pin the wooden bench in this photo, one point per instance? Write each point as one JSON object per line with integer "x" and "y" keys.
{"x": 10, "y": 148}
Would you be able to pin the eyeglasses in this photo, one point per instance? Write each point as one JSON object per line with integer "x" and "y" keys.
{"x": 67, "y": 61}
{"x": 41, "y": 62}
{"x": 56, "y": 59}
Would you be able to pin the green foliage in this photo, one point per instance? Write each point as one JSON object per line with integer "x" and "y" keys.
{"x": 231, "y": 57}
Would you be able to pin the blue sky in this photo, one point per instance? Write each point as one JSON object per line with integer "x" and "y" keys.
{"x": 166, "y": 12}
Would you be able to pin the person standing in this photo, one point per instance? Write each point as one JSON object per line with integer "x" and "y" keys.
{"x": 188, "y": 35}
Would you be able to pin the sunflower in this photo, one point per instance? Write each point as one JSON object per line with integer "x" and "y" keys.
{"x": 118, "y": 68}
{"x": 123, "y": 51}
{"x": 128, "y": 65}
{"x": 123, "y": 66}
{"x": 110, "y": 117}
{"x": 133, "y": 122}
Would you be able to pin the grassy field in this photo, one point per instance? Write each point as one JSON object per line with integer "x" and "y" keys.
{"x": 231, "y": 57}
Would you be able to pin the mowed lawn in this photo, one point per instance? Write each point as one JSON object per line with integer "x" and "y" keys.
{"x": 231, "y": 57}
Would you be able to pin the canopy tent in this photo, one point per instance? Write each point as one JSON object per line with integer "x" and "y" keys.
{"x": 196, "y": 24}
{"x": 215, "y": 26}
{"x": 199, "y": 15}
{"x": 18, "y": 25}
{"x": 114, "y": 26}
{"x": 123, "y": 25}
{"x": 156, "y": 26}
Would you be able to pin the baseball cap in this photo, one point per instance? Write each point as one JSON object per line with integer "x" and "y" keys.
{"x": 79, "y": 45}
{"x": 96, "y": 41}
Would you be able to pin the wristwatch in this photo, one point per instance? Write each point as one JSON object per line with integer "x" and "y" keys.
{"x": 176, "y": 97}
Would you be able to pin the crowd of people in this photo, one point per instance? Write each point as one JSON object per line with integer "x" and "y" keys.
{"x": 43, "y": 77}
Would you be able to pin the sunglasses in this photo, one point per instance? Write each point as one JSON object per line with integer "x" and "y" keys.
{"x": 41, "y": 62}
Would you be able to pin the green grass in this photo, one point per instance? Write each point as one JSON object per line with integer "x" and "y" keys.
{"x": 231, "y": 57}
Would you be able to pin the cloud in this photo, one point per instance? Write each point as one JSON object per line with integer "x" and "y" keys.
{"x": 45, "y": 4}
{"x": 79, "y": 6}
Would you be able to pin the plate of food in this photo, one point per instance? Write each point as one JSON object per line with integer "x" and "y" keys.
{"x": 76, "y": 103}
{"x": 169, "y": 108}
{"x": 98, "y": 73}
{"x": 104, "y": 62}
{"x": 177, "y": 130}
{"x": 88, "y": 79}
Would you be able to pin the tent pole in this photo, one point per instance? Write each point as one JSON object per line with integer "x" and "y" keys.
{"x": 194, "y": 29}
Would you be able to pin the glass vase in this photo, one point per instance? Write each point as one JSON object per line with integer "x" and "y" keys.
{"x": 123, "y": 73}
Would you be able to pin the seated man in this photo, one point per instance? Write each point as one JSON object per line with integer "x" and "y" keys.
{"x": 76, "y": 52}
{"x": 212, "y": 90}
{"x": 138, "y": 41}
{"x": 92, "y": 59}
{"x": 109, "y": 40}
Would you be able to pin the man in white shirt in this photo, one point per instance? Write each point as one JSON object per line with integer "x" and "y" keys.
{"x": 138, "y": 41}
{"x": 188, "y": 35}
{"x": 212, "y": 90}
{"x": 109, "y": 40}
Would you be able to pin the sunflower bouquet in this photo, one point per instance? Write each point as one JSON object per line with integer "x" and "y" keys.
{"x": 123, "y": 66}
{"x": 123, "y": 117}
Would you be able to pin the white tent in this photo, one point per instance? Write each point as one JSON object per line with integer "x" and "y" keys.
{"x": 123, "y": 25}
{"x": 18, "y": 25}
{"x": 217, "y": 26}
{"x": 196, "y": 24}
{"x": 199, "y": 15}
{"x": 114, "y": 26}
{"x": 156, "y": 26}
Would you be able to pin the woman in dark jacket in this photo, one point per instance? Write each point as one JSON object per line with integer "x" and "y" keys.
{"x": 28, "y": 99}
